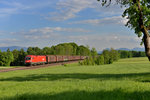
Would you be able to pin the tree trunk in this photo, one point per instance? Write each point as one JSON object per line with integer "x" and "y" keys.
{"x": 147, "y": 46}
{"x": 144, "y": 30}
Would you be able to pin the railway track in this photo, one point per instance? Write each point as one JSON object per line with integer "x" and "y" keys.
{"x": 35, "y": 67}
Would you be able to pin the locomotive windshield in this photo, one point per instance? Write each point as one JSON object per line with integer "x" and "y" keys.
{"x": 28, "y": 58}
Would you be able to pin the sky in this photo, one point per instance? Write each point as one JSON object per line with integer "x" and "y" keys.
{"x": 43, "y": 23}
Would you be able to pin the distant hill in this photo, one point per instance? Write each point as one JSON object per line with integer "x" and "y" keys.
{"x": 126, "y": 49}
{"x": 134, "y": 49}
{"x": 138, "y": 49}
{"x": 12, "y": 48}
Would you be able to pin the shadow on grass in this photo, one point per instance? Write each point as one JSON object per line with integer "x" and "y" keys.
{"x": 53, "y": 77}
{"x": 117, "y": 94}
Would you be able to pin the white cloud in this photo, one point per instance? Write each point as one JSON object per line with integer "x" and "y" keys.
{"x": 64, "y": 9}
{"x": 13, "y": 7}
{"x": 47, "y": 30}
{"x": 8, "y": 42}
{"x": 105, "y": 21}
{"x": 98, "y": 41}
{"x": 68, "y": 9}
{"x": 101, "y": 42}
{"x": 51, "y": 36}
{"x": 43, "y": 36}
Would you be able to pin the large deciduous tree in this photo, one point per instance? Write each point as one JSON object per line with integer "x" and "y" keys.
{"x": 138, "y": 14}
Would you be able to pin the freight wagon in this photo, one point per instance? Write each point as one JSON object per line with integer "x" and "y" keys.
{"x": 46, "y": 59}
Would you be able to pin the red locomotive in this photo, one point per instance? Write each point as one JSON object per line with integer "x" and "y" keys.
{"x": 35, "y": 59}
{"x": 45, "y": 59}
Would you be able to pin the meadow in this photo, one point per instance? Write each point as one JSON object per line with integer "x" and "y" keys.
{"x": 127, "y": 79}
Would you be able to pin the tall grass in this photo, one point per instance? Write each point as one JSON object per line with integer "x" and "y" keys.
{"x": 127, "y": 79}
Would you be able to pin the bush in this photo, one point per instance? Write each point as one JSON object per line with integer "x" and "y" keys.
{"x": 107, "y": 56}
{"x": 110, "y": 61}
{"x": 6, "y": 58}
{"x": 100, "y": 60}
{"x": 88, "y": 61}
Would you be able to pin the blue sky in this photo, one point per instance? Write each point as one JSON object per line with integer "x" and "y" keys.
{"x": 49, "y": 22}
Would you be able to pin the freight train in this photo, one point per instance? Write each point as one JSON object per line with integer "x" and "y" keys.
{"x": 46, "y": 59}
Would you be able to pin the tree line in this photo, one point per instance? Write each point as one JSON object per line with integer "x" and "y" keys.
{"x": 60, "y": 49}
{"x": 16, "y": 57}
{"x": 130, "y": 54}
{"x": 110, "y": 56}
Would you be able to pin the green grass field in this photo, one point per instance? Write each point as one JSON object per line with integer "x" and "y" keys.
{"x": 127, "y": 79}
